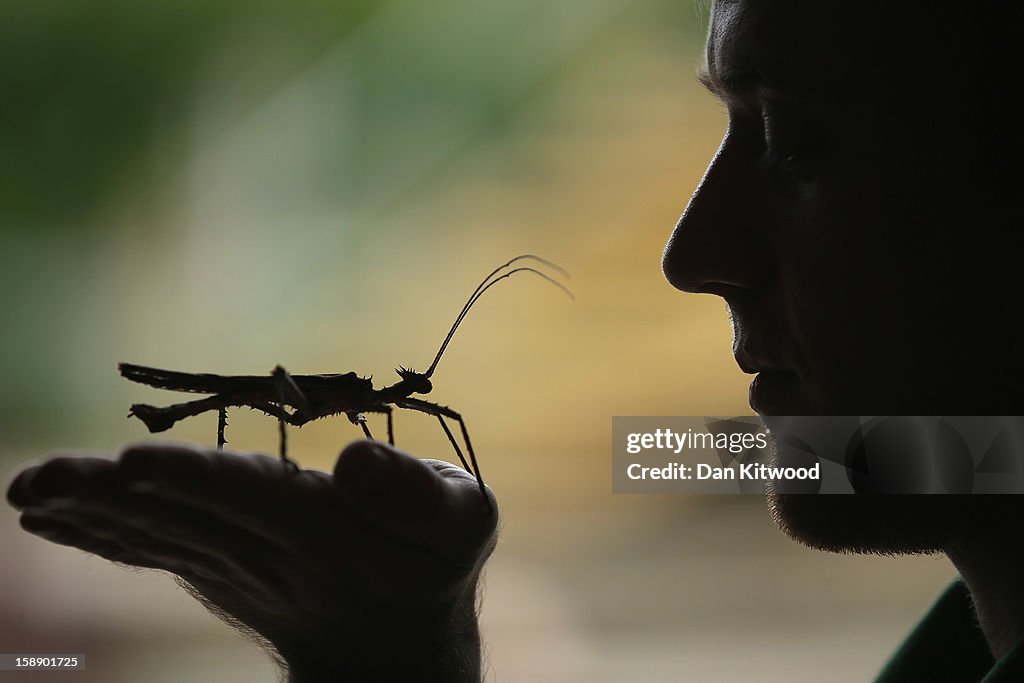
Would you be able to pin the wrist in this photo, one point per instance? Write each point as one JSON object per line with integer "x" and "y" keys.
{"x": 441, "y": 648}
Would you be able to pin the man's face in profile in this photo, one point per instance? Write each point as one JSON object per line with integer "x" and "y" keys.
{"x": 846, "y": 222}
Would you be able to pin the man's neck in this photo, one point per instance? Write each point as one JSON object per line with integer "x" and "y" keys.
{"x": 994, "y": 573}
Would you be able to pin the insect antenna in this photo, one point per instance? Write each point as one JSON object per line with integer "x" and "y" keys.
{"x": 488, "y": 282}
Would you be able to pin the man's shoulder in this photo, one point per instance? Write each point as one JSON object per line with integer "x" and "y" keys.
{"x": 948, "y": 645}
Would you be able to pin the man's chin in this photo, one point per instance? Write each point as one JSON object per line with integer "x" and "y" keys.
{"x": 882, "y": 524}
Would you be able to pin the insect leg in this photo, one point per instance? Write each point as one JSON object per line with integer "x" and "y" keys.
{"x": 455, "y": 444}
{"x": 222, "y": 423}
{"x": 275, "y": 410}
{"x": 439, "y": 411}
{"x": 360, "y": 420}
{"x": 287, "y": 392}
{"x": 162, "y": 419}
{"x": 283, "y": 448}
{"x": 283, "y": 418}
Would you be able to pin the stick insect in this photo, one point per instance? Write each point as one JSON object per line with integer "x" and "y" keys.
{"x": 312, "y": 397}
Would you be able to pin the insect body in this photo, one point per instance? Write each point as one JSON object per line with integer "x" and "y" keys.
{"x": 298, "y": 399}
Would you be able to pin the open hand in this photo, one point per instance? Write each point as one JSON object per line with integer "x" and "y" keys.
{"x": 333, "y": 571}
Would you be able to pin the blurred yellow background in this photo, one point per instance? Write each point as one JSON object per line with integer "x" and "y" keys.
{"x": 224, "y": 186}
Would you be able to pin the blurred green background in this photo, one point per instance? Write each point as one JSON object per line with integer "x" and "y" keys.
{"x": 222, "y": 186}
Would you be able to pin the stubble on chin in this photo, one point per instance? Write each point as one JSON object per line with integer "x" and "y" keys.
{"x": 871, "y": 524}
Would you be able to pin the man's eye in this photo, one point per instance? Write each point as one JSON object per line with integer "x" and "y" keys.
{"x": 789, "y": 161}
{"x": 786, "y": 150}
{"x": 780, "y": 151}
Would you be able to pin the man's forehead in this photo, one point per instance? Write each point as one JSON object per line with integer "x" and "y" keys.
{"x": 809, "y": 47}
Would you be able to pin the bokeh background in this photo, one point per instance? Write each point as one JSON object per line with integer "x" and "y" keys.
{"x": 223, "y": 186}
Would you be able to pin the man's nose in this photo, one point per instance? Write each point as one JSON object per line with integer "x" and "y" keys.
{"x": 719, "y": 244}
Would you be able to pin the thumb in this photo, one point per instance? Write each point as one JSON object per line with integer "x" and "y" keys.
{"x": 425, "y": 502}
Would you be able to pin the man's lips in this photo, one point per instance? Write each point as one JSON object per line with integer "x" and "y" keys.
{"x": 751, "y": 364}
{"x": 777, "y": 392}
{"x": 776, "y": 389}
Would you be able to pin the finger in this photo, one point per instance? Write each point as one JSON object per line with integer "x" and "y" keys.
{"x": 248, "y": 490}
{"x": 182, "y": 524}
{"x": 134, "y": 520}
{"x": 468, "y": 514}
{"x": 65, "y": 534}
{"x": 423, "y": 502}
{"x": 17, "y": 493}
{"x": 130, "y": 543}
{"x": 58, "y": 481}
{"x": 86, "y": 483}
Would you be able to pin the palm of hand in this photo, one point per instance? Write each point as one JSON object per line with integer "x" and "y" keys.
{"x": 297, "y": 557}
